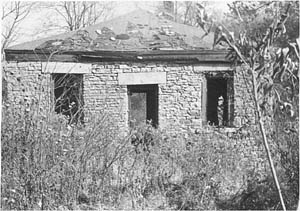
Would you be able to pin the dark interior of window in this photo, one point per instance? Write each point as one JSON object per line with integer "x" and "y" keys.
{"x": 217, "y": 102}
{"x": 143, "y": 104}
{"x": 68, "y": 96}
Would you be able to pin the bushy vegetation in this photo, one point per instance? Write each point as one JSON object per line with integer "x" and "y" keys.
{"x": 269, "y": 53}
{"x": 48, "y": 164}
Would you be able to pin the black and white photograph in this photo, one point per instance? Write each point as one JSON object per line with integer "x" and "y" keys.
{"x": 150, "y": 105}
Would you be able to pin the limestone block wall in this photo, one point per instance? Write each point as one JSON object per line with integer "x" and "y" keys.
{"x": 103, "y": 95}
{"x": 26, "y": 85}
{"x": 179, "y": 98}
{"x": 244, "y": 106}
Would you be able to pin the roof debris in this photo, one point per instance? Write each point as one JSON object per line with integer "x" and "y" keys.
{"x": 136, "y": 31}
{"x": 162, "y": 38}
{"x": 122, "y": 36}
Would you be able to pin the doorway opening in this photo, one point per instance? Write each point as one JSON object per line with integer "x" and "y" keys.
{"x": 143, "y": 104}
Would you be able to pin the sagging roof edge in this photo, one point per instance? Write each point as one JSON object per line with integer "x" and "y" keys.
{"x": 101, "y": 56}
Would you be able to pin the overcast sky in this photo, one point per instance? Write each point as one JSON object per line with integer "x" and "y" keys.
{"x": 36, "y": 25}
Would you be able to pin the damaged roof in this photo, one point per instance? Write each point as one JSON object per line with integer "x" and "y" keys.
{"x": 136, "y": 31}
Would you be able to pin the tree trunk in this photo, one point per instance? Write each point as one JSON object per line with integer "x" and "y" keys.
{"x": 265, "y": 141}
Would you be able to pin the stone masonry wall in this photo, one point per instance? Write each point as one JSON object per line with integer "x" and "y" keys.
{"x": 26, "y": 85}
{"x": 180, "y": 98}
{"x": 244, "y": 106}
{"x": 103, "y": 95}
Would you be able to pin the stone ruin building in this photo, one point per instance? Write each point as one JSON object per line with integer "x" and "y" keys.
{"x": 137, "y": 67}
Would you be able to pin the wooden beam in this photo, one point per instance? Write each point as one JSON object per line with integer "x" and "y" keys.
{"x": 99, "y": 52}
{"x": 103, "y": 56}
{"x": 40, "y": 58}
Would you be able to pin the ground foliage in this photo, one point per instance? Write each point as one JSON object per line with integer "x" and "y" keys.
{"x": 49, "y": 164}
{"x": 46, "y": 162}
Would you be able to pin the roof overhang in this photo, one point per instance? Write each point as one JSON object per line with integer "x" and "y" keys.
{"x": 177, "y": 56}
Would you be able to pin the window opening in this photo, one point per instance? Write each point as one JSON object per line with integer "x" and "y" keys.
{"x": 68, "y": 96}
{"x": 219, "y": 106}
{"x": 143, "y": 104}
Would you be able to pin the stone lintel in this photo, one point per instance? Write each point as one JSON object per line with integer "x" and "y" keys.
{"x": 66, "y": 68}
{"x": 142, "y": 78}
{"x": 213, "y": 67}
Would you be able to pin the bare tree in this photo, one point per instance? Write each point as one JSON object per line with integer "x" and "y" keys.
{"x": 188, "y": 12}
{"x": 12, "y": 15}
{"x": 201, "y": 14}
{"x": 79, "y": 14}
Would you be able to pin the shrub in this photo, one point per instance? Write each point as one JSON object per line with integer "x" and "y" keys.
{"x": 47, "y": 163}
{"x": 189, "y": 171}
